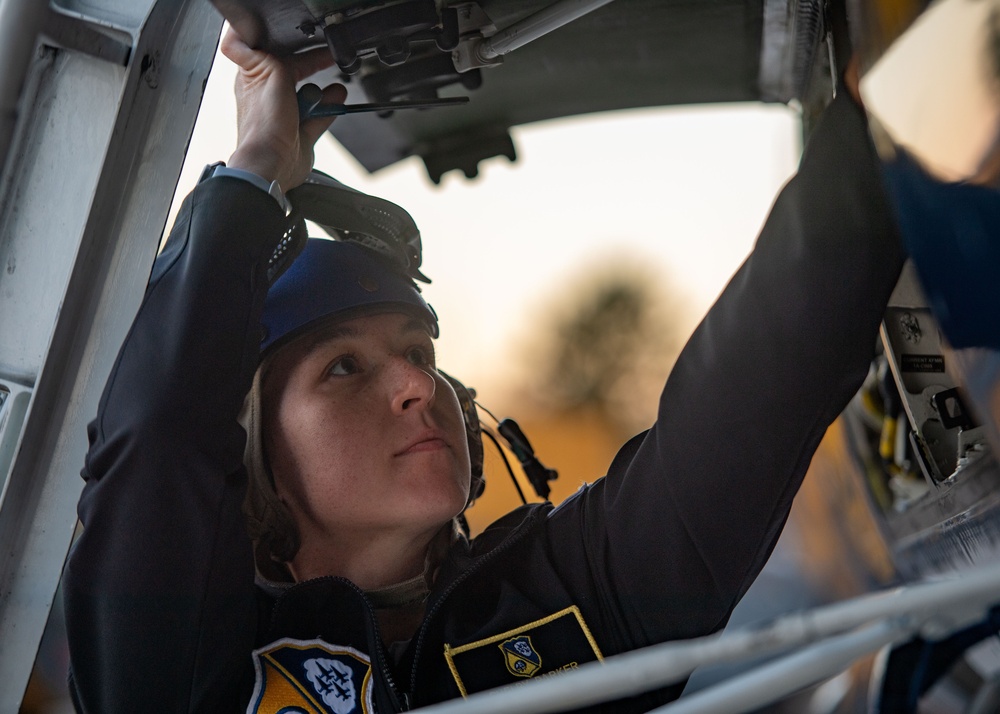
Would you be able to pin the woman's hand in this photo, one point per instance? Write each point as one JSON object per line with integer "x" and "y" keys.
{"x": 271, "y": 142}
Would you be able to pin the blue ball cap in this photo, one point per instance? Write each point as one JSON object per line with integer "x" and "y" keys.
{"x": 331, "y": 277}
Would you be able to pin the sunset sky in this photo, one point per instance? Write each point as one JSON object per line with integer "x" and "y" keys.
{"x": 680, "y": 192}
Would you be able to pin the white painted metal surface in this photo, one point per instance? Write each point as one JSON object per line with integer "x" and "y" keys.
{"x": 93, "y": 159}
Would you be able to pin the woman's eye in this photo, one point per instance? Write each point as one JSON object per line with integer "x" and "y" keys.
{"x": 342, "y": 366}
{"x": 420, "y": 356}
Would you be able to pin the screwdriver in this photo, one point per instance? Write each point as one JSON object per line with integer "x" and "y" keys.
{"x": 310, "y": 97}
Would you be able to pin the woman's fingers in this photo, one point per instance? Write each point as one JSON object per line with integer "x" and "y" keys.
{"x": 310, "y": 62}
{"x": 312, "y": 129}
{"x": 238, "y": 52}
{"x": 273, "y": 142}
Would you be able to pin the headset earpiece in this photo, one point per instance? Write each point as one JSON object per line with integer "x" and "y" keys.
{"x": 473, "y": 432}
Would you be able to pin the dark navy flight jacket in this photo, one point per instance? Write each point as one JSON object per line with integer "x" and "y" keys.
{"x": 162, "y": 608}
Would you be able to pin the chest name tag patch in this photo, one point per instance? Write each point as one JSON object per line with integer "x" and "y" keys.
{"x": 553, "y": 644}
{"x": 311, "y": 677}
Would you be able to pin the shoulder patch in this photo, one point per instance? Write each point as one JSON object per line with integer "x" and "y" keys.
{"x": 550, "y": 645}
{"x": 311, "y": 677}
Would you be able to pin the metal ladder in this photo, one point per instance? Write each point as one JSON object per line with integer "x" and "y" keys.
{"x": 97, "y": 104}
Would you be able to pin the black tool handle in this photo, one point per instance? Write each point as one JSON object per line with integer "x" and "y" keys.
{"x": 310, "y": 99}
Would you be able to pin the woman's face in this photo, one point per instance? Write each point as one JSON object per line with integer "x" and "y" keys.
{"x": 362, "y": 434}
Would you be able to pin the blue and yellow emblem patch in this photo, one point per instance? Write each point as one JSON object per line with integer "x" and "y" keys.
{"x": 562, "y": 639}
{"x": 521, "y": 658}
{"x": 311, "y": 677}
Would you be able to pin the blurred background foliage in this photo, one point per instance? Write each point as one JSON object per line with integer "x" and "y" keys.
{"x": 611, "y": 351}
{"x": 594, "y": 360}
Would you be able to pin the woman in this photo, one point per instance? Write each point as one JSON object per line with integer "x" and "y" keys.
{"x": 366, "y": 598}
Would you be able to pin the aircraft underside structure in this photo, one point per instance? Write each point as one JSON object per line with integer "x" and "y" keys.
{"x": 99, "y": 99}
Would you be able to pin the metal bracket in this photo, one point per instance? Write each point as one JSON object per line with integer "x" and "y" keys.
{"x": 73, "y": 31}
{"x": 388, "y": 32}
{"x": 14, "y": 399}
{"x": 952, "y": 409}
{"x": 474, "y": 25}
{"x": 465, "y": 151}
{"x": 467, "y": 56}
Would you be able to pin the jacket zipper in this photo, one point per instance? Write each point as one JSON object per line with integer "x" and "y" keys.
{"x": 517, "y": 537}
{"x": 406, "y": 698}
{"x": 379, "y": 645}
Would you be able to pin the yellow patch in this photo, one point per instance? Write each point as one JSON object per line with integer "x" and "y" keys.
{"x": 549, "y": 645}
{"x": 311, "y": 677}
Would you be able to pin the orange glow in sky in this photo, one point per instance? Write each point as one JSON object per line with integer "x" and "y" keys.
{"x": 681, "y": 190}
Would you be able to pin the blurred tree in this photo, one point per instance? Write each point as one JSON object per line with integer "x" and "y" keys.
{"x": 590, "y": 373}
{"x": 611, "y": 348}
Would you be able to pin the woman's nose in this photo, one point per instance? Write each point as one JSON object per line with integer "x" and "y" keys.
{"x": 412, "y": 386}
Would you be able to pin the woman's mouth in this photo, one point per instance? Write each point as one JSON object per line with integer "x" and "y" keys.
{"x": 426, "y": 442}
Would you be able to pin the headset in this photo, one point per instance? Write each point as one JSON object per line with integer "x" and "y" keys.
{"x": 386, "y": 230}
